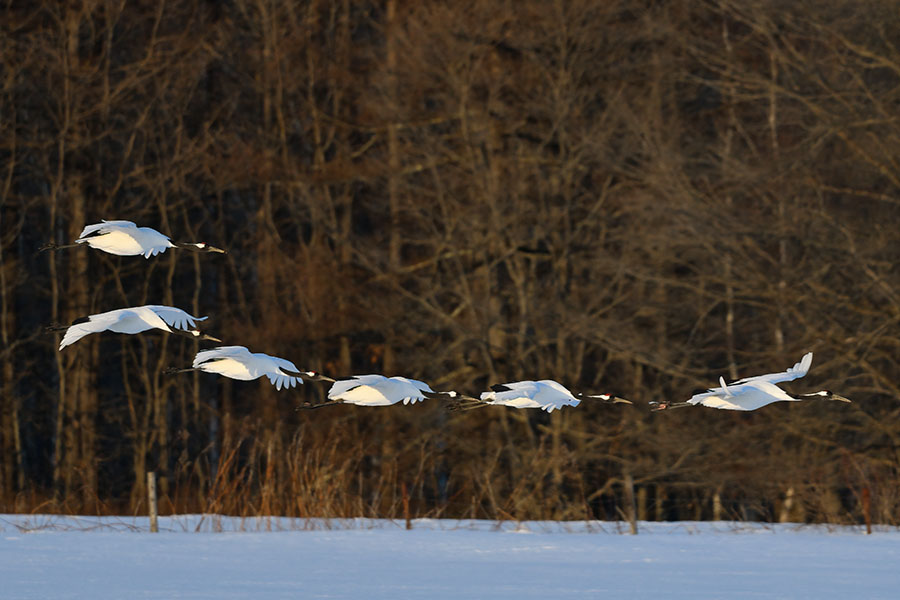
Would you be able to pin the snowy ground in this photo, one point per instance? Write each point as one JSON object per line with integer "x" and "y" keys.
{"x": 222, "y": 558}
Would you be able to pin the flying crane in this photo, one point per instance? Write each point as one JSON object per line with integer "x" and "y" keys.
{"x": 545, "y": 394}
{"x": 374, "y": 390}
{"x": 751, "y": 393}
{"x": 124, "y": 238}
{"x": 134, "y": 320}
{"x": 237, "y": 362}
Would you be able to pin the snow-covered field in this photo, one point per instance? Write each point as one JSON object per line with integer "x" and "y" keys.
{"x": 217, "y": 557}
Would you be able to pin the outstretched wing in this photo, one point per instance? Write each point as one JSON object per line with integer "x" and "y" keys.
{"x": 554, "y": 395}
{"x": 796, "y": 372}
{"x": 506, "y": 392}
{"x": 412, "y": 390}
{"x": 557, "y": 387}
{"x": 279, "y": 378}
{"x": 419, "y": 385}
{"x": 342, "y": 386}
{"x": 747, "y": 396}
{"x": 378, "y": 390}
{"x": 235, "y": 352}
{"x": 89, "y": 325}
{"x": 103, "y": 227}
{"x": 546, "y": 394}
{"x": 175, "y": 317}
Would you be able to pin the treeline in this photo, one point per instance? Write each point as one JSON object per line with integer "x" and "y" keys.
{"x": 631, "y": 197}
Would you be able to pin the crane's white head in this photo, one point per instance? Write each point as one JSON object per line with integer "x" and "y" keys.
{"x": 203, "y": 247}
{"x": 308, "y": 375}
{"x": 825, "y": 395}
{"x": 202, "y": 336}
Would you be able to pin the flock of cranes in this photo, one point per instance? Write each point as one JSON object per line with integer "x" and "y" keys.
{"x": 124, "y": 238}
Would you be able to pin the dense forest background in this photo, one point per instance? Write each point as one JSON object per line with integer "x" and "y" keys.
{"x": 631, "y": 197}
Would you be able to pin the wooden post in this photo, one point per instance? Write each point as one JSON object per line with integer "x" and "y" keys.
{"x": 151, "y": 501}
{"x": 867, "y": 509}
{"x": 642, "y": 504}
{"x": 784, "y": 515}
{"x": 659, "y": 503}
{"x": 405, "y": 493}
{"x": 632, "y": 507}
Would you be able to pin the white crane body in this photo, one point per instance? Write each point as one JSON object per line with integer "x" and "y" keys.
{"x": 378, "y": 390}
{"x": 133, "y": 320}
{"x": 755, "y": 392}
{"x": 124, "y": 238}
{"x": 237, "y": 362}
{"x": 545, "y": 394}
{"x": 745, "y": 396}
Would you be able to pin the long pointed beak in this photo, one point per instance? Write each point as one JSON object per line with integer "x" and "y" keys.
{"x": 617, "y": 400}
{"x": 214, "y": 249}
{"x": 840, "y": 398}
{"x": 210, "y": 338}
